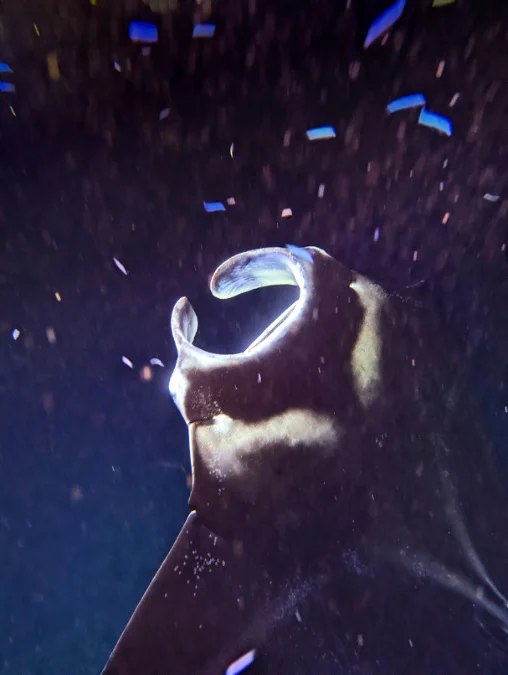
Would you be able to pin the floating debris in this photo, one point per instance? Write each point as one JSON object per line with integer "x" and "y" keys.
{"x": 146, "y": 374}
{"x": 76, "y": 494}
{"x": 7, "y": 87}
{"x": 242, "y": 663}
{"x": 440, "y": 69}
{"x": 300, "y": 252}
{"x": 53, "y": 68}
{"x": 320, "y": 132}
{"x": 287, "y": 138}
{"x": 15, "y": 334}
{"x": 442, "y": 3}
{"x": 203, "y": 30}
{"x": 231, "y": 149}
{"x": 4, "y": 68}
{"x": 164, "y": 113}
{"x": 354, "y": 70}
{"x": 446, "y": 218}
{"x": 50, "y": 334}
{"x": 454, "y": 100}
{"x": 36, "y": 30}
{"x": 142, "y": 31}
{"x": 13, "y": 112}
{"x": 127, "y": 362}
{"x": 491, "y": 198}
{"x": 58, "y": 296}
{"x": 435, "y": 121}
{"x": 376, "y": 234}
{"x": 156, "y": 362}
{"x": 231, "y": 201}
{"x": 212, "y": 207}
{"x": 117, "y": 66}
{"x": 321, "y": 191}
{"x": 384, "y": 22}
{"x": 120, "y": 266}
{"x": 411, "y": 101}
{"x": 286, "y": 213}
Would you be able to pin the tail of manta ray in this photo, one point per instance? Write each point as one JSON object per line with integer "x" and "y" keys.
{"x": 280, "y": 460}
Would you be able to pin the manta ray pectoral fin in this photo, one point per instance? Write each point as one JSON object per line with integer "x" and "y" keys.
{"x": 194, "y": 616}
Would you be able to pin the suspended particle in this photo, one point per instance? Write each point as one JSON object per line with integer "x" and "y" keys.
{"x": 212, "y": 207}
{"x": 405, "y": 102}
{"x": 384, "y": 22}
{"x": 50, "y": 334}
{"x": 321, "y": 133}
{"x": 241, "y": 663}
{"x": 142, "y": 31}
{"x": 120, "y": 266}
{"x": 53, "y": 68}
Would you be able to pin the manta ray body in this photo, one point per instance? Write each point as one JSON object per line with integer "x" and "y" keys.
{"x": 347, "y": 514}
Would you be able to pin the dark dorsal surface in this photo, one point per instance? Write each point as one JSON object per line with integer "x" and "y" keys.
{"x": 347, "y": 515}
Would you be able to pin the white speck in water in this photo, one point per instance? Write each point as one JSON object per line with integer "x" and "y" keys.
{"x": 454, "y": 100}
{"x": 120, "y": 266}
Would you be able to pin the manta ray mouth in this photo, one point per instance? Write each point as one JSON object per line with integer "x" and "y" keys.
{"x": 246, "y": 272}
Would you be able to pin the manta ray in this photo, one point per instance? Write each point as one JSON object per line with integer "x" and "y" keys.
{"x": 347, "y": 514}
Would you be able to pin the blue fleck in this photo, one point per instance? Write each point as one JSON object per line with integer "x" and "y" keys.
{"x": 412, "y": 101}
{"x": 141, "y": 31}
{"x": 4, "y": 68}
{"x": 384, "y": 21}
{"x": 435, "y": 121}
{"x": 203, "y": 30}
{"x": 321, "y": 132}
{"x": 7, "y": 86}
{"x": 211, "y": 207}
{"x": 300, "y": 253}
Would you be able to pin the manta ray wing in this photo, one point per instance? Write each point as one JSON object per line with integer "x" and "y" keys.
{"x": 346, "y": 512}
{"x": 195, "y": 615}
